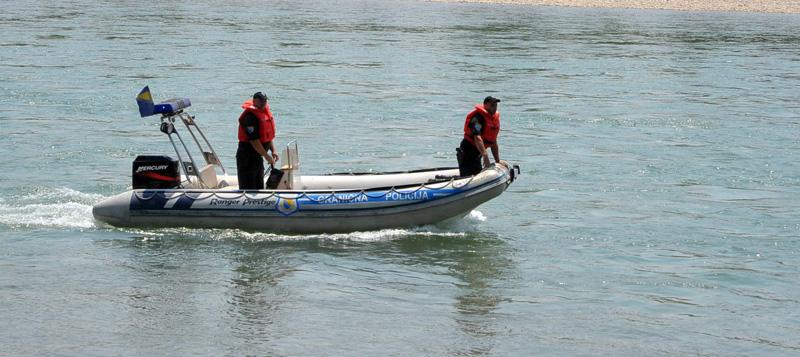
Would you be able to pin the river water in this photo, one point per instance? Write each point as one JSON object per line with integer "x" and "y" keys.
{"x": 657, "y": 212}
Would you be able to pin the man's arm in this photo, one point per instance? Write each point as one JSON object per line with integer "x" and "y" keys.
{"x": 476, "y": 127}
{"x": 275, "y": 156}
{"x": 495, "y": 152}
{"x": 482, "y": 149}
{"x": 261, "y": 151}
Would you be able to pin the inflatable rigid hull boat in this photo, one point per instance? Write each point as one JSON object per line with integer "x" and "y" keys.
{"x": 174, "y": 193}
{"x": 313, "y": 210}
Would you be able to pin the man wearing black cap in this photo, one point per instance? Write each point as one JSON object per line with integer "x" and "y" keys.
{"x": 256, "y": 133}
{"x": 480, "y": 131}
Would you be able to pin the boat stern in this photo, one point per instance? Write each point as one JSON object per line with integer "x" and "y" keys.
{"x": 114, "y": 210}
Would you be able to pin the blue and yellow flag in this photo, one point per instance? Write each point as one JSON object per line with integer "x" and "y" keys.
{"x": 145, "y": 102}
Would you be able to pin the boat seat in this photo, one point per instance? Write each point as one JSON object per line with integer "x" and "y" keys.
{"x": 209, "y": 176}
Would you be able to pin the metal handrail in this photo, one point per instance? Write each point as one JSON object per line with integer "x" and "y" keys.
{"x": 169, "y": 130}
{"x": 185, "y": 118}
{"x": 290, "y": 165}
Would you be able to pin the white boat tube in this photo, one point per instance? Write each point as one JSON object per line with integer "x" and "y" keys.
{"x": 356, "y": 207}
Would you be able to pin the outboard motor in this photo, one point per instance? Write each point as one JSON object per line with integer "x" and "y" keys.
{"x": 155, "y": 171}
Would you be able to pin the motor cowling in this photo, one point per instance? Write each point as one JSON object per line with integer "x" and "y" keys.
{"x": 155, "y": 171}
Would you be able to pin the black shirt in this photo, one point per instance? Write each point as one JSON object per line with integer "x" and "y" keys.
{"x": 251, "y": 125}
{"x": 476, "y": 124}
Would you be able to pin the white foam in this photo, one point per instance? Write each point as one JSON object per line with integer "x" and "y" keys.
{"x": 476, "y": 216}
{"x": 365, "y": 236}
{"x": 232, "y": 234}
{"x": 49, "y": 207}
{"x": 69, "y": 215}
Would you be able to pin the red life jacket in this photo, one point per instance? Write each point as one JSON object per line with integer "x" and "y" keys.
{"x": 266, "y": 125}
{"x": 490, "y": 129}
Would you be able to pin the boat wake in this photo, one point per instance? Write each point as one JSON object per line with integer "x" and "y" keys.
{"x": 453, "y": 230}
{"x": 460, "y": 228}
{"x": 47, "y": 207}
{"x": 71, "y": 209}
{"x": 238, "y": 235}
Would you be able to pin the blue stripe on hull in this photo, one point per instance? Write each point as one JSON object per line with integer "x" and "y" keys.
{"x": 285, "y": 204}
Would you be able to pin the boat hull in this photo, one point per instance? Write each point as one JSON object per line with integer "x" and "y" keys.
{"x": 305, "y": 212}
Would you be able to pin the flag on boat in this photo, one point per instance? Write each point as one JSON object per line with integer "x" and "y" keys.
{"x": 145, "y": 102}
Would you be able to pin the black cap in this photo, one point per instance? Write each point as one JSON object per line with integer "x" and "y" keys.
{"x": 491, "y": 99}
{"x": 260, "y": 95}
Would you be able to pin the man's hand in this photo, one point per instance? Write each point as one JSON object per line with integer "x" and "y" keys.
{"x": 275, "y": 157}
{"x": 486, "y": 162}
{"x": 269, "y": 159}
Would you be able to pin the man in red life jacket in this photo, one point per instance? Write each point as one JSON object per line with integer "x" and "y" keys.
{"x": 480, "y": 132}
{"x": 256, "y": 133}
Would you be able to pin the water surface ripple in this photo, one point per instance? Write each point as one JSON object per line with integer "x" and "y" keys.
{"x": 656, "y": 213}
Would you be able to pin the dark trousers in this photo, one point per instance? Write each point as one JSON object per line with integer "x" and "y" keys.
{"x": 249, "y": 168}
{"x": 470, "y": 159}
